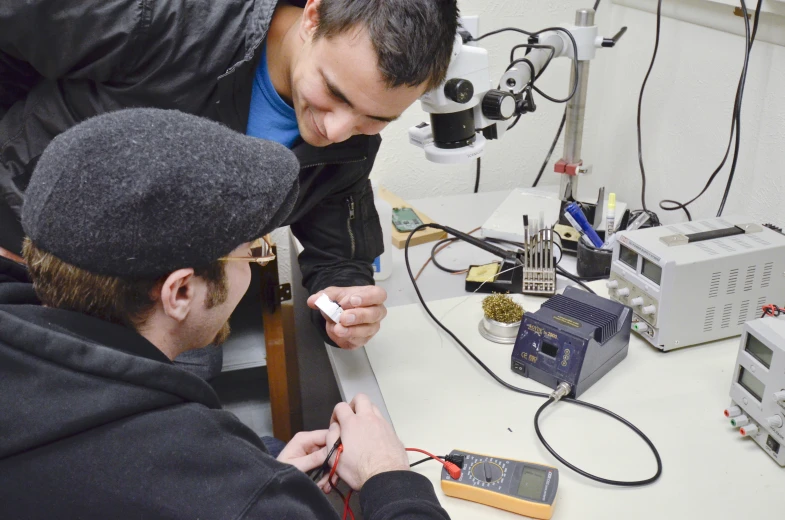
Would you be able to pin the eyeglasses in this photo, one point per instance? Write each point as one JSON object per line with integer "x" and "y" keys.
{"x": 261, "y": 252}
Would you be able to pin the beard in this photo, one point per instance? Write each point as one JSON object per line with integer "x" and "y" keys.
{"x": 223, "y": 334}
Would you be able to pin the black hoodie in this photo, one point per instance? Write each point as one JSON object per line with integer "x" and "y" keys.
{"x": 95, "y": 422}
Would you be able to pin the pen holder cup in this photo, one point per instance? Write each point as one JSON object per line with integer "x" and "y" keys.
{"x": 593, "y": 262}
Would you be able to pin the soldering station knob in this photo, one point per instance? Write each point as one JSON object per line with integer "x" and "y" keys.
{"x": 498, "y": 105}
{"x": 733, "y": 411}
{"x": 459, "y": 90}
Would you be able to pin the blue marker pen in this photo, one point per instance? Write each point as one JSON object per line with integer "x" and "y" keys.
{"x": 580, "y": 218}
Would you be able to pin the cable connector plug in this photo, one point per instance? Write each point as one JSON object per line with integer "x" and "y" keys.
{"x": 456, "y": 459}
{"x": 562, "y": 390}
{"x": 453, "y": 470}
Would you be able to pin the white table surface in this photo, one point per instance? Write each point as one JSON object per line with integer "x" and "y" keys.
{"x": 462, "y": 212}
{"x": 439, "y": 399}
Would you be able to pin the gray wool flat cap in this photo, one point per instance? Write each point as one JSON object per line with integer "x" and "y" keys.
{"x": 140, "y": 193}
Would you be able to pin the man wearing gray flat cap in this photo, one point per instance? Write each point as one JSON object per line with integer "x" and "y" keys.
{"x": 139, "y": 240}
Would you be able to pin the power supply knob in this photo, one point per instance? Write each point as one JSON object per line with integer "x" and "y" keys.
{"x": 459, "y": 90}
{"x": 624, "y": 291}
{"x": 498, "y": 105}
{"x": 779, "y": 396}
{"x": 637, "y": 301}
{"x": 748, "y": 431}
{"x": 649, "y": 309}
{"x": 775, "y": 421}
{"x": 612, "y": 284}
{"x": 740, "y": 420}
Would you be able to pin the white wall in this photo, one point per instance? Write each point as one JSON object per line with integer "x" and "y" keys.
{"x": 686, "y": 117}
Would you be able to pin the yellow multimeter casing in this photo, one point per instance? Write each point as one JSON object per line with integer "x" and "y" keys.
{"x": 517, "y": 486}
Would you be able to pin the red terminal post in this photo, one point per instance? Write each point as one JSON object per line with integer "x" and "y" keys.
{"x": 732, "y": 411}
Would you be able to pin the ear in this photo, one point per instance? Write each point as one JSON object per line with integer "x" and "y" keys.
{"x": 179, "y": 294}
{"x": 310, "y": 20}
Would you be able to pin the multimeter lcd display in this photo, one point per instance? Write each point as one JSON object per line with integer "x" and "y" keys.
{"x": 751, "y": 383}
{"x": 629, "y": 257}
{"x": 759, "y": 351}
{"x": 532, "y": 483}
{"x": 652, "y": 271}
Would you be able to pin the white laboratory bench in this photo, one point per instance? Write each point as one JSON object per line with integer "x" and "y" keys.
{"x": 438, "y": 399}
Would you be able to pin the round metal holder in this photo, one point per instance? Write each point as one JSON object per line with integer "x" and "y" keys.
{"x": 498, "y": 332}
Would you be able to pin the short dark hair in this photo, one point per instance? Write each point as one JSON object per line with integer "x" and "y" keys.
{"x": 413, "y": 39}
{"x": 125, "y": 301}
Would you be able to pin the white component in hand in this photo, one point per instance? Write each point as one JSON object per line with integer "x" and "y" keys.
{"x": 329, "y": 307}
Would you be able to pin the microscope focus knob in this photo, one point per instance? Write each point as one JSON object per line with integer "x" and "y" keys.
{"x": 459, "y": 90}
{"x": 498, "y": 105}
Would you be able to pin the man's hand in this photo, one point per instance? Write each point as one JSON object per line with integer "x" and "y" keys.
{"x": 370, "y": 446}
{"x": 307, "y": 450}
{"x": 363, "y": 311}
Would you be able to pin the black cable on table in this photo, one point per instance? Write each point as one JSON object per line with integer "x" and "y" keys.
{"x": 519, "y": 390}
{"x": 622, "y": 483}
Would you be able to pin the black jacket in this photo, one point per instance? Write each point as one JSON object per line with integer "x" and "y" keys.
{"x": 64, "y": 61}
{"x": 95, "y": 422}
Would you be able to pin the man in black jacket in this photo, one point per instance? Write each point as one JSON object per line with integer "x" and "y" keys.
{"x": 95, "y": 420}
{"x": 323, "y": 77}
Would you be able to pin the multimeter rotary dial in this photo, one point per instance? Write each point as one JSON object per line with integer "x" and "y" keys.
{"x": 487, "y": 472}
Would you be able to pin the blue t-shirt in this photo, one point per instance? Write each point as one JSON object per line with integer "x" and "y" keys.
{"x": 270, "y": 116}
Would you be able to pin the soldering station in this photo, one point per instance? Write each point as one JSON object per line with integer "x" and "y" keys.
{"x": 674, "y": 286}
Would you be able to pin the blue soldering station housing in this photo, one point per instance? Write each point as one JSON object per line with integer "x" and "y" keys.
{"x": 576, "y": 337}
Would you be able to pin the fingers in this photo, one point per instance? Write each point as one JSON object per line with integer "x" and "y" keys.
{"x": 366, "y": 296}
{"x": 342, "y": 413}
{"x": 311, "y": 441}
{"x": 311, "y": 461}
{"x": 352, "y": 297}
{"x": 363, "y": 315}
{"x": 362, "y": 404}
{"x": 357, "y": 335}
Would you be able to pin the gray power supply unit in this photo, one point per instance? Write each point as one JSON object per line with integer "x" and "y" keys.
{"x": 698, "y": 281}
{"x": 757, "y": 391}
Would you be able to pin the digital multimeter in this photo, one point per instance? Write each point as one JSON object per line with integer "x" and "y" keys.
{"x": 516, "y": 486}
